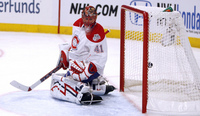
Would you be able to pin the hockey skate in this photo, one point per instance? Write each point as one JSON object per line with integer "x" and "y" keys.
{"x": 89, "y": 98}
{"x": 109, "y": 88}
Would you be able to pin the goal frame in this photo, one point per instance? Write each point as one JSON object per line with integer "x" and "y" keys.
{"x": 145, "y": 52}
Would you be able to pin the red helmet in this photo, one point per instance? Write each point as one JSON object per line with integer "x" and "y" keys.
{"x": 89, "y": 16}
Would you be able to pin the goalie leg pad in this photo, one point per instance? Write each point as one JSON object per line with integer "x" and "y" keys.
{"x": 67, "y": 89}
{"x": 89, "y": 98}
{"x": 100, "y": 86}
{"x": 102, "y": 89}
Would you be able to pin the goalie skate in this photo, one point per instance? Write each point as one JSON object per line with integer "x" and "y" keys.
{"x": 89, "y": 98}
{"x": 109, "y": 88}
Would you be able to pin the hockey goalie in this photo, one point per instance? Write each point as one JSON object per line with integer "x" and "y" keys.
{"x": 84, "y": 61}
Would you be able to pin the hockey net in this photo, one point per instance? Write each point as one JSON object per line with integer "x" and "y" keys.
{"x": 157, "y": 63}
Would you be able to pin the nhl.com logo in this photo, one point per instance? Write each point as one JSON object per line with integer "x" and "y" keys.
{"x": 136, "y": 18}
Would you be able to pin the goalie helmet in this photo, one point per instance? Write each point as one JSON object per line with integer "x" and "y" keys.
{"x": 89, "y": 16}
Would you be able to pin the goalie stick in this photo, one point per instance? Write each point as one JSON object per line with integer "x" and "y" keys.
{"x": 26, "y": 88}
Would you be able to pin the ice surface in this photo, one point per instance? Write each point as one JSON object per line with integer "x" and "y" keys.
{"x": 26, "y": 57}
{"x": 39, "y": 103}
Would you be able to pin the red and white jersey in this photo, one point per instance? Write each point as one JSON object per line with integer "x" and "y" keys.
{"x": 89, "y": 48}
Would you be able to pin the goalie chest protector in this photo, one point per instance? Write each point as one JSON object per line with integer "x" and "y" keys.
{"x": 97, "y": 34}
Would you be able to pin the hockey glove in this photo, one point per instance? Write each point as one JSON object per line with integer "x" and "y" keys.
{"x": 64, "y": 57}
{"x": 81, "y": 72}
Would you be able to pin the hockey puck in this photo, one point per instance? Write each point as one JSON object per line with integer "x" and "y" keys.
{"x": 150, "y": 65}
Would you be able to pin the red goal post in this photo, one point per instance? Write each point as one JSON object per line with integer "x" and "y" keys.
{"x": 145, "y": 51}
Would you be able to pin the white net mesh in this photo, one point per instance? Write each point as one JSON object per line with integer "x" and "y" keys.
{"x": 173, "y": 73}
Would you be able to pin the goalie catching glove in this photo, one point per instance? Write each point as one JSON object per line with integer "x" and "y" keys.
{"x": 83, "y": 72}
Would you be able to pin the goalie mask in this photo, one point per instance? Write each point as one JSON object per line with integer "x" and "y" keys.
{"x": 89, "y": 16}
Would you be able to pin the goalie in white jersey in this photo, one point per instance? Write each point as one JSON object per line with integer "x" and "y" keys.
{"x": 84, "y": 60}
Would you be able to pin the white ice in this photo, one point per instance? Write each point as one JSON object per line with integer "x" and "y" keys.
{"x": 26, "y": 57}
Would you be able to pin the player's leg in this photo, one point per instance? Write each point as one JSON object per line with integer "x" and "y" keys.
{"x": 65, "y": 88}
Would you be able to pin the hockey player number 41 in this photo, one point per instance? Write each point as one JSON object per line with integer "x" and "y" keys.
{"x": 98, "y": 49}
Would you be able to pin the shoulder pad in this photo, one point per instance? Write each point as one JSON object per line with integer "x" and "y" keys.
{"x": 78, "y": 22}
{"x": 97, "y": 34}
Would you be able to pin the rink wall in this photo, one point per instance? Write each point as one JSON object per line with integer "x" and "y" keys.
{"x": 29, "y": 16}
{"x": 57, "y": 16}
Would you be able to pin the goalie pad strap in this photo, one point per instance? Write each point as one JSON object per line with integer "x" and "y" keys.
{"x": 94, "y": 76}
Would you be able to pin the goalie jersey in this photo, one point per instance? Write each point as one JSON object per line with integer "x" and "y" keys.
{"x": 90, "y": 47}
